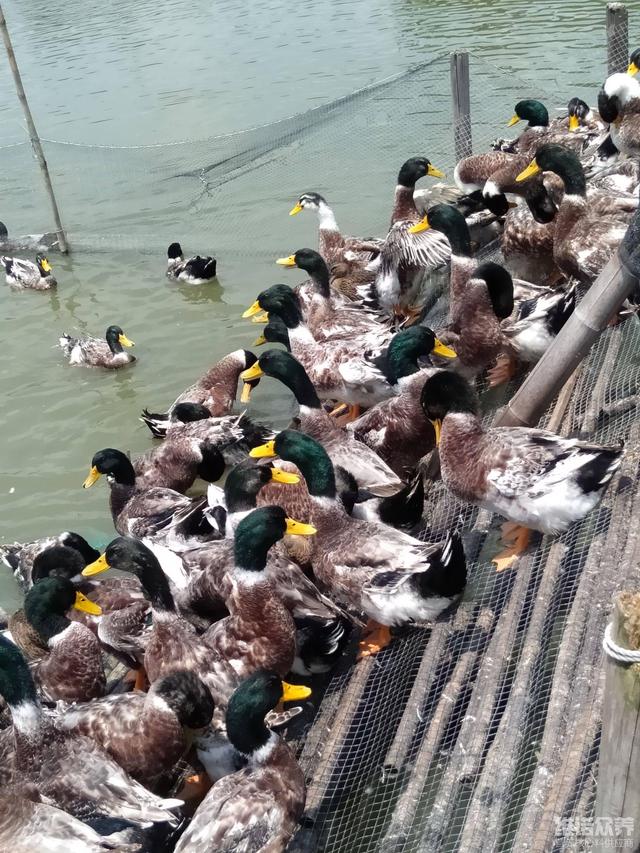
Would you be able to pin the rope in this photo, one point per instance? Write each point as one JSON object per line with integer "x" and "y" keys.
{"x": 618, "y": 653}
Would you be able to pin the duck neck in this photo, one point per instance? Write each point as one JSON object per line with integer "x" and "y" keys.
{"x": 47, "y": 624}
{"x": 326, "y": 218}
{"x": 155, "y": 584}
{"x": 401, "y": 362}
{"x": 403, "y": 204}
{"x": 302, "y": 388}
{"x": 320, "y": 278}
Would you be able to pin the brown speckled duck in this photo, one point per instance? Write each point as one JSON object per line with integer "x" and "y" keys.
{"x": 394, "y": 578}
{"x": 216, "y": 390}
{"x": 71, "y": 668}
{"x": 586, "y": 234}
{"x": 258, "y": 807}
{"x": 144, "y": 732}
{"x": 332, "y": 245}
{"x": 147, "y": 512}
{"x": 68, "y": 771}
{"x": 619, "y": 104}
{"x": 534, "y": 478}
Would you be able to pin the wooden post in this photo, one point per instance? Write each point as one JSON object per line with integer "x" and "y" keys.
{"x": 574, "y": 341}
{"x": 618, "y": 794}
{"x": 617, "y": 37}
{"x": 461, "y": 104}
{"x": 33, "y": 133}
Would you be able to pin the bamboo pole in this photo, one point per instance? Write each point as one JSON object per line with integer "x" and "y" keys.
{"x": 33, "y": 133}
{"x": 618, "y": 795}
{"x": 617, "y": 37}
{"x": 461, "y": 104}
{"x": 574, "y": 341}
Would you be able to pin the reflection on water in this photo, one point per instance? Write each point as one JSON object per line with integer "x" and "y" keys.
{"x": 161, "y": 70}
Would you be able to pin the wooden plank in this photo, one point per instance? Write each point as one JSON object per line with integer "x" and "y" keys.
{"x": 460, "y": 93}
{"x": 618, "y": 793}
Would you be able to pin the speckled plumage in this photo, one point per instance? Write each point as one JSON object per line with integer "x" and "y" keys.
{"x": 254, "y": 810}
{"x": 396, "y": 428}
{"x": 216, "y": 390}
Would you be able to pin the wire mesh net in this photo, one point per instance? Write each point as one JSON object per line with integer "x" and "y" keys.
{"x": 481, "y": 732}
{"x": 243, "y": 183}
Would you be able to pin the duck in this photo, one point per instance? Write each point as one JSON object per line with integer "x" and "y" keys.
{"x": 619, "y": 104}
{"x": 67, "y": 771}
{"x": 121, "y": 626}
{"x": 485, "y": 300}
{"x": 25, "y": 275}
{"x": 20, "y": 556}
{"x": 155, "y": 512}
{"x": 537, "y": 321}
{"x": 326, "y": 319}
{"x": 216, "y": 390}
{"x": 322, "y": 628}
{"x": 275, "y": 332}
{"x": 259, "y": 630}
{"x": 586, "y": 235}
{"x": 448, "y": 221}
{"x": 392, "y": 577}
{"x": 97, "y": 352}
{"x": 339, "y": 370}
{"x": 344, "y": 449}
{"x": 332, "y": 245}
{"x": 27, "y": 823}
{"x": 634, "y": 62}
{"x": 195, "y": 270}
{"x": 396, "y": 428}
{"x": 146, "y": 733}
{"x": 535, "y": 479}
{"x": 257, "y": 807}
{"x": 71, "y": 667}
{"x": 178, "y": 462}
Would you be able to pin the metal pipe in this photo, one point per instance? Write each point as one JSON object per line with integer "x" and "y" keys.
{"x": 33, "y": 133}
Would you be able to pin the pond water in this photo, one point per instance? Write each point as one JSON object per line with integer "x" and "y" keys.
{"x": 143, "y": 73}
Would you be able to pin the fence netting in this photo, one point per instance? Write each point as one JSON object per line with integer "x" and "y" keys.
{"x": 482, "y": 732}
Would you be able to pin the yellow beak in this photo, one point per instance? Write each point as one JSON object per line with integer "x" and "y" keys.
{"x": 442, "y": 350}
{"x": 574, "y": 123}
{"x": 532, "y": 169}
{"x": 263, "y": 451}
{"x": 420, "y": 226}
{"x": 82, "y": 603}
{"x": 294, "y": 692}
{"x": 287, "y": 262}
{"x": 437, "y": 426}
{"x": 124, "y": 340}
{"x": 513, "y": 120}
{"x": 259, "y": 341}
{"x": 253, "y": 372}
{"x": 632, "y": 69}
{"x": 254, "y": 309}
{"x": 295, "y": 209}
{"x": 100, "y": 565}
{"x": 280, "y": 476}
{"x": 262, "y": 318}
{"x": 297, "y": 528}
{"x": 92, "y": 477}
{"x": 245, "y": 396}
{"x": 46, "y": 266}
{"x": 433, "y": 172}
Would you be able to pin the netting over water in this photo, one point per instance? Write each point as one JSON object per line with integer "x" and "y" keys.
{"x": 482, "y": 732}
{"x": 241, "y": 184}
